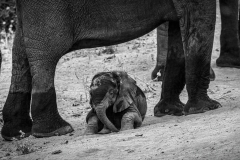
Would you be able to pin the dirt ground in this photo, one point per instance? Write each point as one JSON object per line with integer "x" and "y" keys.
{"x": 211, "y": 135}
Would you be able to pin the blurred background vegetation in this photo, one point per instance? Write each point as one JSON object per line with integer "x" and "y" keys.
{"x": 7, "y": 16}
{"x": 8, "y": 22}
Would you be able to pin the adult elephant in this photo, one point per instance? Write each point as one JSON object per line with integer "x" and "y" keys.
{"x": 162, "y": 49}
{"x": 229, "y": 40}
{"x": 47, "y": 30}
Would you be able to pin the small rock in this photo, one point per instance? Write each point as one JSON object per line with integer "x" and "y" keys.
{"x": 88, "y": 107}
{"x": 130, "y": 150}
{"x": 66, "y": 142}
{"x": 57, "y": 152}
{"x": 76, "y": 115}
{"x": 46, "y": 142}
{"x": 7, "y": 154}
{"x": 71, "y": 134}
{"x": 107, "y": 59}
{"x": 108, "y": 50}
{"x": 139, "y": 135}
{"x": 75, "y": 104}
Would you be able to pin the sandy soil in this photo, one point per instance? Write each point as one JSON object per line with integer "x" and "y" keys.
{"x": 211, "y": 135}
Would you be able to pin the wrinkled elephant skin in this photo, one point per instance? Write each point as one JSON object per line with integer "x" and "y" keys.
{"x": 47, "y": 30}
{"x": 229, "y": 41}
{"x": 117, "y": 103}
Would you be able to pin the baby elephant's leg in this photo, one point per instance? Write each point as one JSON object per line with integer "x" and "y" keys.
{"x": 105, "y": 130}
{"x": 92, "y": 124}
{"x": 130, "y": 120}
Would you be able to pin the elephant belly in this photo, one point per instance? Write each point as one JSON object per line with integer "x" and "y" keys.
{"x": 112, "y": 22}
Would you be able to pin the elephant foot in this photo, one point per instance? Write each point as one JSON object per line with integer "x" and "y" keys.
{"x": 17, "y": 122}
{"x": 127, "y": 127}
{"x": 155, "y": 71}
{"x": 201, "y": 106}
{"x": 105, "y": 131}
{"x": 92, "y": 124}
{"x": 168, "y": 108}
{"x": 39, "y": 133}
{"x": 17, "y": 129}
{"x": 51, "y": 128}
{"x": 46, "y": 120}
{"x": 88, "y": 132}
{"x": 228, "y": 61}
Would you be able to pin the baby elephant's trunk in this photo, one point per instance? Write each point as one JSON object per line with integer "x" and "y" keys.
{"x": 101, "y": 113}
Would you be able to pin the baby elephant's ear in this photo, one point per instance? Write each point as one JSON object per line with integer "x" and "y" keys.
{"x": 127, "y": 92}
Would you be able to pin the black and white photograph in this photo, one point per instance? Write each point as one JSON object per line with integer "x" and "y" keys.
{"x": 119, "y": 80}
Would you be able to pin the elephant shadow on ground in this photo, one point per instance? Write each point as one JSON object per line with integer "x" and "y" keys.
{"x": 169, "y": 119}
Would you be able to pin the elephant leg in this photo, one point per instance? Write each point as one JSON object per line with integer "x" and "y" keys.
{"x": 17, "y": 122}
{"x": 46, "y": 119}
{"x": 162, "y": 47}
{"x": 93, "y": 124}
{"x": 174, "y": 75}
{"x": 130, "y": 120}
{"x": 43, "y": 59}
{"x": 229, "y": 39}
{"x": 197, "y": 29}
{"x": 46, "y": 43}
{"x": 105, "y": 130}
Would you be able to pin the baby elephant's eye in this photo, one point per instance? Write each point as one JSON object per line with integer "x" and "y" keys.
{"x": 111, "y": 92}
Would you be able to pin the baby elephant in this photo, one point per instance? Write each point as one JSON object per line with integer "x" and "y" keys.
{"x": 117, "y": 103}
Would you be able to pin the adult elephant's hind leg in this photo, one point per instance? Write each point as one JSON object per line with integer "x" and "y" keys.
{"x": 46, "y": 119}
{"x": 43, "y": 58}
{"x": 162, "y": 49}
{"x": 229, "y": 39}
{"x": 174, "y": 75}
{"x": 17, "y": 122}
{"x": 197, "y": 26}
